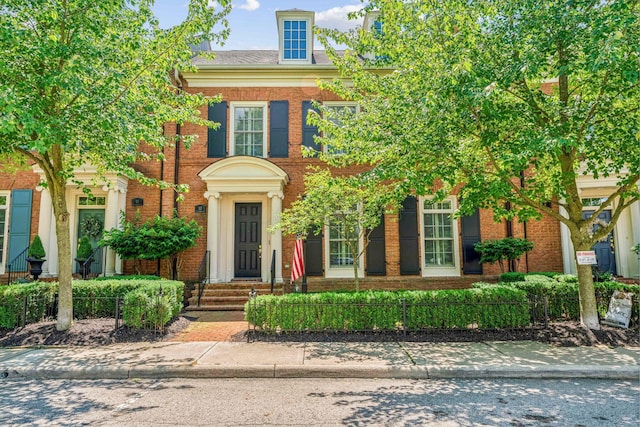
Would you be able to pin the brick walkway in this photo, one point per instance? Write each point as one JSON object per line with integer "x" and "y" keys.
{"x": 213, "y": 326}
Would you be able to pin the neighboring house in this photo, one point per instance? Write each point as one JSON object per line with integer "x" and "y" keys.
{"x": 243, "y": 174}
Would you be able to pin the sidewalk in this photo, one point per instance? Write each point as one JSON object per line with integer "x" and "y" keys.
{"x": 219, "y": 359}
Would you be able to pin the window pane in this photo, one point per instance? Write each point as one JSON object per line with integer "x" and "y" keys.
{"x": 339, "y": 253}
{"x": 438, "y": 234}
{"x": 3, "y": 200}
{"x": 248, "y": 131}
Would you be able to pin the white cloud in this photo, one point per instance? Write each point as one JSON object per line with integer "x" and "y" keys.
{"x": 249, "y": 5}
{"x": 336, "y": 17}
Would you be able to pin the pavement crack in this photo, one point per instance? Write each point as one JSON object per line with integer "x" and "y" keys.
{"x": 404, "y": 350}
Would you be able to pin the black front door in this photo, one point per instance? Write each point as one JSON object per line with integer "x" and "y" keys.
{"x": 604, "y": 249}
{"x": 248, "y": 246}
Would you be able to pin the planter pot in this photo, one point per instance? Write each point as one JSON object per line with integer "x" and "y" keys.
{"x": 35, "y": 267}
{"x": 84, "y": 267}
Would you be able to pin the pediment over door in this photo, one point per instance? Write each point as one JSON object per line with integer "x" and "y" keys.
{"x": 244, "y": 174}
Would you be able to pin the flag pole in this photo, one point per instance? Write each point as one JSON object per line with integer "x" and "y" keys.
{"x": 304, "y": 263}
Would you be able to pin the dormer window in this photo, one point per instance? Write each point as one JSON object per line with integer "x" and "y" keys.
{"x": 295, "y": 39}
{"x": 295, "y": 33}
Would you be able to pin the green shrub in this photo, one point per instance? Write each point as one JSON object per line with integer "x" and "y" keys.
{"x": 566, "y": 278}
{"x": 153, "y": 305}
{"x": 91, "y": 299}
{"x": 36, "y": 249}
{"x": 84, "y": 249}
{"x": 507, "y": 249}
{"x": 551, "y": 274}
{"x": 493, "y": 307}
{"x": 130, "y": 277}
{"x": 39, "y": 296}
{"x": 562, "y": 295}
{"x": 511, "y": 276}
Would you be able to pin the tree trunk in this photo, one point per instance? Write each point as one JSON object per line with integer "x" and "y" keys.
{"x": 587, "y": 294}
{"x": 65, "y": 294}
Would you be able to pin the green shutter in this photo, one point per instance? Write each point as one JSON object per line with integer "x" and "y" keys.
{"x": 19, "y": 224}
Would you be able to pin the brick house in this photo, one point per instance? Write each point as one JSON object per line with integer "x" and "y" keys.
{"x": 243, "y": 174}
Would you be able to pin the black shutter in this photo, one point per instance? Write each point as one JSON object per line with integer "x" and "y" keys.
{"x": 217, "y": 139}
{"x": 313, "y": 255}
{"x": 308, "y": 131}
{"x": 376, "y": 260}
{"x": 279, "y": 129}
{"x": 408, "y": 232}
{"x": 470, "y": 236}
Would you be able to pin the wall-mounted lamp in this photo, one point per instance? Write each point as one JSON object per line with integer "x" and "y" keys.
{"x": 137, "y": 201}
{"x": 201, "y": 208}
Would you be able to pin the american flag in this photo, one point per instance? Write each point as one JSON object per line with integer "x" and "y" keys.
{"x": 297, "y": 268}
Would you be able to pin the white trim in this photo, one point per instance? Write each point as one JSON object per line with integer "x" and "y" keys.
{"x": 241, "y": 179}
{"x": 298, "y": 15}
{"x": 427, "y": 270}
{"x": 5, "y": 232}
{"x": 232, "y": 123}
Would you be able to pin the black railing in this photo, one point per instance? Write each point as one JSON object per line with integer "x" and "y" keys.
{"x": 273, "y": 269}
{"x": 203, "y": 273}
{"x": 24, "y": 310}
{"x": 18, "y": 264}
{"x": 91, "y": 268}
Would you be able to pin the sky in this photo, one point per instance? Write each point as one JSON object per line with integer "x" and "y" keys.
{"x": 253, "y": 22}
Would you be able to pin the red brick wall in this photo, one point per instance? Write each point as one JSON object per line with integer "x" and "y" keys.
{"x": 545, "y": 233}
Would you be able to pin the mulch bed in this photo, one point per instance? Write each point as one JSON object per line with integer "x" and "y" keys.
{"x": 95, "y": 332}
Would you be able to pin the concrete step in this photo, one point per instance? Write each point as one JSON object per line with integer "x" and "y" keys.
{"x": 229, "y": 296}
{"x": 215, "y": 308}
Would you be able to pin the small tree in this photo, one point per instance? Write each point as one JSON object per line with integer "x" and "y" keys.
{"x": 36, "y": 250}
{"x": 158, "y": 238}
{"x": 350, "y": 207}
{"x": 509, "y": 248}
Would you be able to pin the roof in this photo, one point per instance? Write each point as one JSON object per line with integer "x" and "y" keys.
{"x": 255, "y": 57}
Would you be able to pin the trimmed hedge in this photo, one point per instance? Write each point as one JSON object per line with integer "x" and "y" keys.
{"x": 562, "y": 294}
{"x": 495, "y": 307}
{"x": 93, "y": 299}
{"x": 153, "y": 305}
{"x": 40, "y": 296}
{"x": 512, "y": 276}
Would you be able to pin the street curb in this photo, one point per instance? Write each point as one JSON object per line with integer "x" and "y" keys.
{"x": 328, "y": 371}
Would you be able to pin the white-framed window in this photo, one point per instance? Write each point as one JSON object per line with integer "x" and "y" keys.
{"x": 338, "y": 257}
{"x": 295, "y": 33}
{"x": 248, "y": 129}
{"x": 4, "y": 227}
{"x": 440, "y": 254}
{"x": 339, "y": 107}
{"x": 95, "y": 201}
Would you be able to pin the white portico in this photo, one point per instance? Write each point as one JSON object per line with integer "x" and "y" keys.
{"x": 245, "y": 198}
{"x": 109, "y": 198}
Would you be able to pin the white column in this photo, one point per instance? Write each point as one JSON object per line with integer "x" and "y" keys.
{"x": 111, "y": 220}
{"x": 213, "y": 234}
{"x": 44, "y": 228}
{"x": 276, "y": 235}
